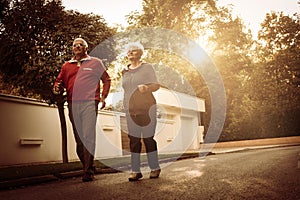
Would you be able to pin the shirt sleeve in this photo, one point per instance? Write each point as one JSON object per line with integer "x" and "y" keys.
{"x": 59, "y": 78}
{"x": 151, "y": 75}
{"x": 105, "y": 78}
{"x": 151, "y": 80}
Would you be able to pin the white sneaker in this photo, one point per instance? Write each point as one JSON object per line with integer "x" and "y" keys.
{"x": 155, "y": 173}
{"x": 135, "y": 176}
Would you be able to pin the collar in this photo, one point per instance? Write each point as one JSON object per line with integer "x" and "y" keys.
{"x": 73, "y": 60}
{"x": 127, "y": 66}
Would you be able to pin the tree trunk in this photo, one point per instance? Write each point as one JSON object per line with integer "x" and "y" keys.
{"x": 63, "y": 125}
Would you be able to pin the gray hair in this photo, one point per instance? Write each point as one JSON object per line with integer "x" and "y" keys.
{"x": 80, "y": 39}
{"x": 134, "y": 46}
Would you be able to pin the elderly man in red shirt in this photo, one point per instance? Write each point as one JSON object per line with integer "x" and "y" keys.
{"x": 81, "y": 77}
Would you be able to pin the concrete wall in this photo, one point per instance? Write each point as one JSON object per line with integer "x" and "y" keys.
{"x": 108, "y": 140}
{"x": 30, "y": 133}
{"x": 30, "y": 130}
{"x": 178, "y": 128}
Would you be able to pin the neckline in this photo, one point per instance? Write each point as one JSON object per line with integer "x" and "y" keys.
{"x": 138, "y": 66}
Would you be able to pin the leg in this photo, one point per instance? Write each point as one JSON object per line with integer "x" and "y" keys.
{"x": 151, "y": 149}
{"x": 89, "y": 118}
{"x": 135, "y": 149}
{"x": 134, "y": 134}
{"x": 148, "y": 131}
{"x": 76, "y": 126}
{"x": 152, "y": 155}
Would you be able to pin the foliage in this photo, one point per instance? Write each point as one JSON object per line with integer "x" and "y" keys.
{"x": 256, "y": 103}
{"x": 280, "y": 40}
{"x": 196, "y": 20}
{"x": 231, "y": 47}
{"x": 36, "y": 40}
{"x": 180, "y": 15}
{"x": 261, "y": 76}
{"x": 280, "y": 73}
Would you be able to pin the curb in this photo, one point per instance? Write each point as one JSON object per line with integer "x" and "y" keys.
{"x": 28, "y": 181}
{"x": 23, "y": 182}
{"x": 12, "y": 184}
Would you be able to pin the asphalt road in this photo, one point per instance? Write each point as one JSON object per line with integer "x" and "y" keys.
{"x": 270, "y": 173}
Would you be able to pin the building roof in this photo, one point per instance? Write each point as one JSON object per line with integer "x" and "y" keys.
{"x": 175, "y": 99}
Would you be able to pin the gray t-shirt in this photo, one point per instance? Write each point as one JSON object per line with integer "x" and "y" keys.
{"x": 134, "y": 101}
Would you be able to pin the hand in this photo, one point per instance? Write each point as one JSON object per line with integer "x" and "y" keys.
{"x": 102, "y": 101}
{"x": 143, "y": 88}
{"x": 57, "y": 88}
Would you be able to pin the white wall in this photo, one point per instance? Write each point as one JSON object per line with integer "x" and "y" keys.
{"x": 30, "y": 133}
{"x": 178, "y": 129}
{"x": 28, "y": 120}
{"x": 108, "y": 135}
{"x": 30, "y": 130}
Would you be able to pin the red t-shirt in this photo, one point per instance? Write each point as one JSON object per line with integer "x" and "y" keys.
{"x": 82, "y": 79}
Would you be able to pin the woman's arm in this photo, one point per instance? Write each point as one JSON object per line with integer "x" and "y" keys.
{"x": 152, "y": 87}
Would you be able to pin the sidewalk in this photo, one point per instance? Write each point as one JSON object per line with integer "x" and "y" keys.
{"x": 225, "y": 147}
{"x": 123, "y": 162}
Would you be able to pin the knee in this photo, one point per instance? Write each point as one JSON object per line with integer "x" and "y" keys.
{"x": 150, "y": 144}
{"x": 134, "y": 141}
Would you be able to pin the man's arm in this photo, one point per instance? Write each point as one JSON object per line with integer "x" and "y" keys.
{"x": 105, "y": 78}
{"x": 58, "y": 84}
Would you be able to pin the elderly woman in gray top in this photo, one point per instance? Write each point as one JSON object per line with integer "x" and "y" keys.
{"x": 139, "y": 81}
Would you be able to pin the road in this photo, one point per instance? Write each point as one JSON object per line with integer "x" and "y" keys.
{"x": 269, "y": 173}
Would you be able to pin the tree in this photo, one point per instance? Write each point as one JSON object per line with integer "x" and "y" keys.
{"x": 36, "y": 41}
{"x": 228, "y": 42}
{"x": 188, "y": 18}
{"x": 36, "y": 36}
{"x": 279, "y": 39}
{"x": 183, "y": 16}
{"x": 231, "y": 50}
{"x": 280, "y": 66}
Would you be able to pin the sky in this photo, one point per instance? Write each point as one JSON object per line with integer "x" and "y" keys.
{"x": 251, "y": 11}
{"x": 113, "y": 11}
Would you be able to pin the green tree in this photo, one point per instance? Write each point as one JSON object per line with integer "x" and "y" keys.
{"x": 187, "y": 17}
{"x": 262, "y": 83}
{"x": 228, "y": 43}
{"x": 36, "y": 40}
{"x": 184, "y": 16}
{"x": 280, "y": 41}
{"x": 231, "y": 46}
{"x": 279, "y": 92}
